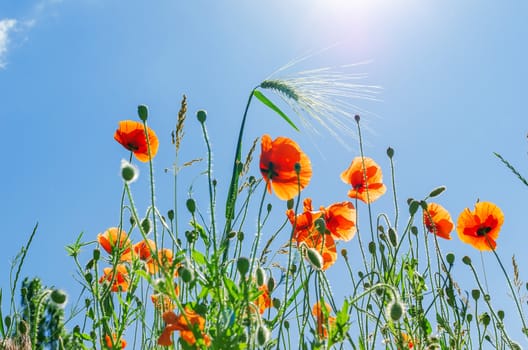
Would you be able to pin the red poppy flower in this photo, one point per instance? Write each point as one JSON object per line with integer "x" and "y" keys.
{"x": 307, "y": 233}
{"x": 340, "y": 220}
{"x": 323, "y": 320}
{"x": 131, "y": 135}
{"x": 109, "y": 341}
{"x": 438, "y": 221}
{"x": 367, "y": 185}
{"x": 119, "y": 280}
{"x": 175, "y": 322}
{"x": 277, "y": 165}
{"x": 480, "y": 227}
{"x": 114, "y": 241}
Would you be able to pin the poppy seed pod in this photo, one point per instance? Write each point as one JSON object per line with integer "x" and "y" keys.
{"x": 129, "y": 172}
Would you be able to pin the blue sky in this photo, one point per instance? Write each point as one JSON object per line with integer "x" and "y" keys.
{"x": 453, "y": 76}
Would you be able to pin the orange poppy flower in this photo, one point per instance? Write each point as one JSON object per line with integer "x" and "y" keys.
{"x": 109, "y": 341}
{"x": 324, "y": 321}
{"x": 163, "y": 302}
{"x": 131, "y": 135}
{"x": 340, "y": 219}
{"x": 480, "y": 227}
{"x": 114, "y": 241}
{"x": 175, "y": 322}
{"x": 407, "y": 340}
{"x": 307, "y": 233}
{"x": 119, "y": 280}
{"x": 365, "y": 182}
{"x": 143, "y": 249}
{"x": 277, "y": 166}
{"x": 441, "y": 223}
{"x": 164, "y": 260}
{"x": 264, "y": 300}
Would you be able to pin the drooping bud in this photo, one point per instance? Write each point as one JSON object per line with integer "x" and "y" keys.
{"x": 191, "y": 205}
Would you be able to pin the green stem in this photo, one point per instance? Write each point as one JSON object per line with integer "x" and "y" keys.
{"x": 233, "y": 187}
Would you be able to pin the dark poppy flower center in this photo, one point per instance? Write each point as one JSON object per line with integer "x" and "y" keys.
{"x": 482, "y": 231}
{"x": 132, "y": 146}
{"x": 270, "y": 171}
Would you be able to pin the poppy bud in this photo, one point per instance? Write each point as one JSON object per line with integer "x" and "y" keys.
{"x": 22, "y": 327}
{"x": 276, "y": 303}
{"x": 372, "y": 247}
{"x": 297, "y": 168}
{"x": 271, "y": 284}
{"x": 96, "y": 254}
{"x": 357, "y": 118}
{"x": 231, "y": 234}
{"x": 393, "y": 237}
{"x": 475, "y": 294}
{"x": 289, "y": 203}
{"x": 243, "y": 265}
{"x": 145, "y": 225}
{"x": 170, "y": 214}
{"x": 344, "y": 253}
{"x": 320, "y": 225}
{"x": 59, "y": 297}
{"x": 286, "y": 324}
{"x": 263, "y": 335}
{"x": 450, "y": 257}
{"x": 143, "y": 112}
{"x": 191, "y": 205}
{"x": 395, "y": 309}
{"x": 466, "y": 260}
{"x": 314, "y": 258}
{"x": 186, "y": 274}
{"x": 413, "y": 207}
{"x": 240, "y": 236}
{"x": 500, "y": 313}
{"x": 268, "y": 207}
{"x": 437, "y": 191}
{"x": 201, "y": 115}
{"x": 261, "y": 276}
{"x": 390, "y": 152}
{"x": 129, "y": 172}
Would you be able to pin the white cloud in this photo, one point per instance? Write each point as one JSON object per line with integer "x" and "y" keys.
{"x": 6, "y": 25}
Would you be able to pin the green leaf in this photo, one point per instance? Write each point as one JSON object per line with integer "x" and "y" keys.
{"x": 272, "y": 106}
{"x": 198, "y": 257}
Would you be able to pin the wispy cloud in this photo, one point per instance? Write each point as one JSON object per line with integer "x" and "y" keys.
{"x": 6, "y": 27}
{"x": 10, "y": 26}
